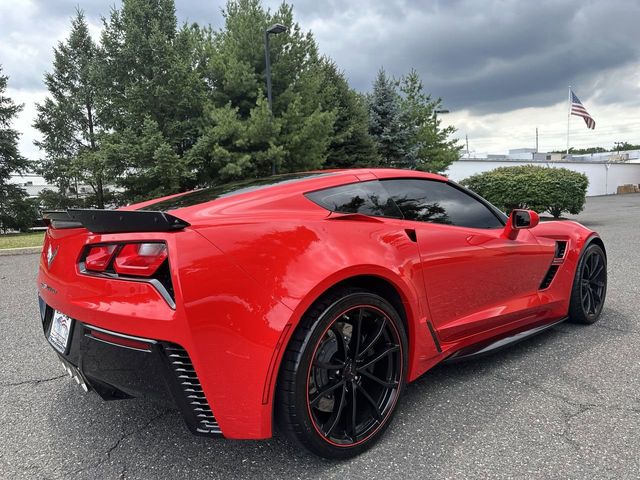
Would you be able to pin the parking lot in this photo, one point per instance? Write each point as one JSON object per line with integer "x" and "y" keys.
{"x": 565, "y": 404}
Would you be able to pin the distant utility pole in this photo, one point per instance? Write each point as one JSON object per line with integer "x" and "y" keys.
{"x": 536, "y": 139}
{"x": 466, "y": 139}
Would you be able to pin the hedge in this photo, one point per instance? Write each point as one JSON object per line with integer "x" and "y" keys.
{"x": 543, "y": 189}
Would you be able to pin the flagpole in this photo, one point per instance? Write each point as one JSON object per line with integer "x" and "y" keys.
{"x": 568, "y": 118}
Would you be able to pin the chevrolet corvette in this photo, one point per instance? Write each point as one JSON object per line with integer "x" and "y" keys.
{"x": 303, "y": 302}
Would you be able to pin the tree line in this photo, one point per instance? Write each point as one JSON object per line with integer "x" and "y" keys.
{"x": 152, "y": 107}
{"x": 619, "y": 146}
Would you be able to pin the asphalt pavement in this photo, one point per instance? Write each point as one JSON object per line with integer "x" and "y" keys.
{"x": 564, "y": 404}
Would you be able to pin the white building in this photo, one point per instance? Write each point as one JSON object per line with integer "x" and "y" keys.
{"x": 32, "y": 183}
{"x": 606, "y": 171}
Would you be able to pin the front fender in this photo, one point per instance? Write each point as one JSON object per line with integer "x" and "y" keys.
{"x": 577, "y": 236}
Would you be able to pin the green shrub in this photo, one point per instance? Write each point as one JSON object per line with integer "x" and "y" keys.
{"x": 543, "y": 189}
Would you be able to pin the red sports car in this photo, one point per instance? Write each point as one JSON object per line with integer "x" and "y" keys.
{"x": 305, "y": 300}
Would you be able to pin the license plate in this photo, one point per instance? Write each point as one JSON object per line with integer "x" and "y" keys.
{"x": 60, "y": 330}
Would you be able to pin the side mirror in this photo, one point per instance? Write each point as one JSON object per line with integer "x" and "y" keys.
{"x": 520, "y": 220}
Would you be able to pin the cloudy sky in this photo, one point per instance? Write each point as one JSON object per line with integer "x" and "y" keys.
{"x": 502, "y": 67}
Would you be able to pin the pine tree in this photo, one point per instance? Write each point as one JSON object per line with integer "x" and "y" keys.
{"x": 232, "y": 147}
{"x": 67, "y": 119}
{"x": 385, "y": 123}
{"x": 152, "y": 94}
{"x": 16, "y": 211}
{"x": 351, "y": 145}
{"x": 154, "y": 169}
{"x": 428, "y": 146}
{"x": 298, "y": 135}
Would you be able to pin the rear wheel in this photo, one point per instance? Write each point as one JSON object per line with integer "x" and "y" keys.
{"x": 589, "y": 286}
{"x": 342, "y": 374}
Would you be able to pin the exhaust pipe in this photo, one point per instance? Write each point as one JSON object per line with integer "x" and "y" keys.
{"x": 75, "y": 374}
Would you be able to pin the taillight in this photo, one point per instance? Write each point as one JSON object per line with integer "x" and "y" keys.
{"x": 98, "y": 257}
{"x": 140, "y": 259}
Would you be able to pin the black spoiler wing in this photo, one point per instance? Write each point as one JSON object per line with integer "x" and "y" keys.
{"x": 115, "y": 221}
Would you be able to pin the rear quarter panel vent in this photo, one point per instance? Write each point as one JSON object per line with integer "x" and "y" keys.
{"x": 561, "y": 248}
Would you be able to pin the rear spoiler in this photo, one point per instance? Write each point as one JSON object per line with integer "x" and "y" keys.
{"x": 114, "y": 221}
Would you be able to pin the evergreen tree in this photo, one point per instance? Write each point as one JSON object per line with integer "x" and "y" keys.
{"x": 152, "y": 94}
{"x": 428, "y": 147}
{"x": 16, "y": 211}
{"x": 156, "y": 108}
{"x": 351, "y": 145}
{"x": 385, "y": 123}
{"x": 153, "y": 168}
{"x": 232, "y": 147}
{"x": 298, "y": 135}
{"x": 67, "y": 119}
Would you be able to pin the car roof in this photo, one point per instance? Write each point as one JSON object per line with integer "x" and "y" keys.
{"x": 274, "y": 186}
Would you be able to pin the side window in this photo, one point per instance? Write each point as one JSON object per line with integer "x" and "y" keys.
{"x": 439, "y": 202}
{"x": 367, "y": 198}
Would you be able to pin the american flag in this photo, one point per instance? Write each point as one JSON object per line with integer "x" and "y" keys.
{"x": 578, "y": 109}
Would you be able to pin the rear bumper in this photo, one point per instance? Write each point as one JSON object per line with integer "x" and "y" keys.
{"x": 230, "y": 327}
{"x": 119, "y": 366}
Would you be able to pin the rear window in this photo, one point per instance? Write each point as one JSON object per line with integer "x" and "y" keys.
{"x": 227, "y": 189}
{"x": 367, "y": 198}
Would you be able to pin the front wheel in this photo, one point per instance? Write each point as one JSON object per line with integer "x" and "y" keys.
{"x": 342, "y": 374}
{"x": 589, "y": 286}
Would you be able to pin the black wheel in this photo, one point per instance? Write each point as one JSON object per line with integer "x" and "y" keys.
{"x": 342, "y": 374}
{"x": 589, "y": 286}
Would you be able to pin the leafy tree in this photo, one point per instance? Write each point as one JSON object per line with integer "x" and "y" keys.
{"x": 67, "y": 119}
{"x": 55, "y": 200}
{"x": 16, "y": 211}
{"x": 579, "y": 151}
{"x": 428, "y": 147}
{"x": 385, "y": 123}
{"x": 619, "y": 147}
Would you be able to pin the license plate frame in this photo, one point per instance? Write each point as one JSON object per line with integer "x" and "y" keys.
{"x": 60, "y": 332}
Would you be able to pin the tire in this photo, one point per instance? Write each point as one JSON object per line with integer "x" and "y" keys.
{"x": 589, "y": 286}
{"x": 325, "y": 368}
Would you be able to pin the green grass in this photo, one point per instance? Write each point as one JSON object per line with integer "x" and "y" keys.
{"x": 18, "y": 240}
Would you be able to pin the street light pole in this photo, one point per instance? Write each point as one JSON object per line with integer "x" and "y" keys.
{"x": 436, "y": 112}
{"x": 273, "y": 29}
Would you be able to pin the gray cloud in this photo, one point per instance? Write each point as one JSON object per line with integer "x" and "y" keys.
{"x": 482, "y": 56}
{"x": 485, "y": 56}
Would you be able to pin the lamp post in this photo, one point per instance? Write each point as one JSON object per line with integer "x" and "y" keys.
{"x": 273, "y": 29}
{"x": 436, "y": 112}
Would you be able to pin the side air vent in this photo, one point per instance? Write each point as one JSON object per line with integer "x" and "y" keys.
{"x": 548, "y": 278}
{"x": 561, "y": 248}
{"x": 195, "y": 401}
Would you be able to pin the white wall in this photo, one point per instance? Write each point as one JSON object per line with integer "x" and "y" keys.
{"x": 604, "y": 178}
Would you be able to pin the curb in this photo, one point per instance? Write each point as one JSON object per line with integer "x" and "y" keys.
{"x": 20, "y": 251}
